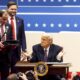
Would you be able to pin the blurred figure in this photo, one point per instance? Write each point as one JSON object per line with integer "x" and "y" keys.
{"x": 18, "y": 76}
{"x": 21, "y": 76}
{"x": 5, "y": 34}
{"x": 28, "y": 75}
{"x": 12, "y": 77}
{"x": 18, "y": 33}
{"x": 5, "y": 16}
{"x": 76, "y": 77}
{"x": 3, "y": 23}
{"x": 31, "y": 75}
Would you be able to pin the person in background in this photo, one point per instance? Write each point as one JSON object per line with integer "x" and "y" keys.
{"x": 12, "y": 77}
{"x": 28, "y": 75}
{"x": 5, "y": 34}
{"x": 18, "y": 33}
{"x": 31, "y": 75}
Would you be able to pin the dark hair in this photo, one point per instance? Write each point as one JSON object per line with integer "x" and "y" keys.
{"x": 1, "y": 13}
{"x": 30, "y": 75}
{"x": 10, "y": 3}
{"x": 76, "y": 77}
{"x": 18, "y": 75}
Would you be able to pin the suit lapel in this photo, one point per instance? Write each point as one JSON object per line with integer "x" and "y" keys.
{"x": 41, "y": 53}
{"x": 50, "y": 54}
{"x": 8, "y": 31}
{"x": 7, "y": 28}
{"x": 16, "y": 24}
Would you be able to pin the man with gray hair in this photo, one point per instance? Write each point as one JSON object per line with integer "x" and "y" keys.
{"x": 47, "y": 51}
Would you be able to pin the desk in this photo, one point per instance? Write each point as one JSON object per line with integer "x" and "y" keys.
{"x": 54, "y": 67}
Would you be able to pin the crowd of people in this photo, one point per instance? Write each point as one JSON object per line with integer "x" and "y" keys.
{"x": 12, "y": 29}
{"x": 28, "y": 75}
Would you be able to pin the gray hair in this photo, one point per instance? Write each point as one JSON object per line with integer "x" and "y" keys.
{"x": 48, "y": 36}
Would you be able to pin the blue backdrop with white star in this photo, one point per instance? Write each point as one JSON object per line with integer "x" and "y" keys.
{"x": 48, "y": 15}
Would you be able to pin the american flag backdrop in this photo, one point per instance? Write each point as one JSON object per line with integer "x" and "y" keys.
{"x": 48, "y": 15}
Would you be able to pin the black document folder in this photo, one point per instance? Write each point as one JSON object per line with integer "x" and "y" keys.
{"x": 11, "y": 43}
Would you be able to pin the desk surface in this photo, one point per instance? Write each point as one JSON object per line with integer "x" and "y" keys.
{"x": 53, "y": 64}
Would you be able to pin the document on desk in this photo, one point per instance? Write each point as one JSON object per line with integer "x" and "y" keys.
{"x": 60, "y": 64}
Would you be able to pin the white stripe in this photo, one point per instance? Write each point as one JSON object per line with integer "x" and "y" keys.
{"x": 2, "y": 6}
{"x": 74, "y": 6}
{"x": 28, "y": 13}
{"x": 39, "y": 32}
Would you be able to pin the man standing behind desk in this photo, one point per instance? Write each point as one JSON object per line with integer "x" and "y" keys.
{"x": 17, "y": 32}
{"x": 5, "y": 34}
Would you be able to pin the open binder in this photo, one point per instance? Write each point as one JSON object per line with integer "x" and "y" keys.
{"x": 11, "y": 43}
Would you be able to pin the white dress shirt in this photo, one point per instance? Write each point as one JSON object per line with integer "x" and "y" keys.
{"x": 61, "y": 53}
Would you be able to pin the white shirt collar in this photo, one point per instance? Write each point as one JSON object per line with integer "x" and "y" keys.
{"x": 10, "y": 17}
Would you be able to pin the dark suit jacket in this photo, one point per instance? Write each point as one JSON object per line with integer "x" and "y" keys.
{"x": 4, "y": 54}
{"x": 20, "y": 33}
{"x": 38, "y": 53}
{"x": 8, "y": 32}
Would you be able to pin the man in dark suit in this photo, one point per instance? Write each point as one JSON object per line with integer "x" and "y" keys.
{"x": 48, "y": 52}
{"x": 53, "y": 53}
{"x": 17, "y": 32}
{"x": 5, "y": 34}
